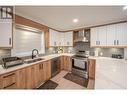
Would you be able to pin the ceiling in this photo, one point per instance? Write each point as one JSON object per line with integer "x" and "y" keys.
{"x": 60, "y": 17}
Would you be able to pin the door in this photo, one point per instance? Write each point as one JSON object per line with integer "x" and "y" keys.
{"x": 67, "y": 63}
{"x": 61, "y": 62}
{"x": 40, "y": 73}
{"x": 68, "y": 39}
{"x": 21, "y": 79}
{"x": 102, "y": 36}
{"x": 94, "y": 36}
{"x": 121, "y": 35}
{"x": 111, "y": 35}
{"x": 54, "y": 37}
{"x": 5, "y": 33}
{"x": 31, "y": 77}
{"x": 61, "y": 39}
{"x": 47, "y": 70}
{"x": 8, "y": 81}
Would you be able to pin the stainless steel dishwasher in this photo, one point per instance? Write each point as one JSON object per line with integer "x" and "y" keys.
{"x": 55, "y": 66}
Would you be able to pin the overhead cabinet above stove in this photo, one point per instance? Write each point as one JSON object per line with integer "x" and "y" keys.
{"x": 109, "y": 36}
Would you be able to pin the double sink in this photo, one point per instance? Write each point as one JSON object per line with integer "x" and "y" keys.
{"x": 33, "y": 60}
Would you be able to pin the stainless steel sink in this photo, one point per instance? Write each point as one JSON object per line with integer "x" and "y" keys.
{"x": 33, "y": 60}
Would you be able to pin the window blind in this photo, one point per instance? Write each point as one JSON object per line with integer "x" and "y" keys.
{"x": 24, "y": 41}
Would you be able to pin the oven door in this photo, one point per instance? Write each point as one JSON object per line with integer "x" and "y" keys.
{"x": 79, "y": 64}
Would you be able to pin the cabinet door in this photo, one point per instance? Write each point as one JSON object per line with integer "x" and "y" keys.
{"x": 21, "y": 79}
{"x": 54, "y": 37}
{"x": 67, "y": 63}
{"x": 121, "y": 34}
{"x": 61, "y": 39}
{"x": 31, "y": 77}
{"x": 40, "y": 73}
{"x": 102, "y": 36}
{"x": 68, "y": 39}
{"x": 0, "y": 85}
{"x": 94, "y": 37}
{"x": 47, "y": 70}
{"x": 92, "y": 64}
{"x": 8, "y": 81}
{"x": 111, "y": 35}
{"x": 61, "y": 62}
{"x": 5, "y": 33}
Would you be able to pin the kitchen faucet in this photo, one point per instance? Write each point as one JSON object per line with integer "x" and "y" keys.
{"x": 33, "y": 53}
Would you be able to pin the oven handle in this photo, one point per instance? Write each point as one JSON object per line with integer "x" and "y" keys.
{"x": 80, "y": 59}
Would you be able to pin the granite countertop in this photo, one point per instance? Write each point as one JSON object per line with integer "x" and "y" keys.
{"x": 48, "y": 57}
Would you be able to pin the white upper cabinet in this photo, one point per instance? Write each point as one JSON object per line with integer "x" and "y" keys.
{"x": 68, "y": 39}
{"x": 111, "y": 35}
{"x": 102, "y": 36}
{"x": 121, "y": 35}
{"x": 53, "y": 36}
{"x": 98, "y": 36}
{"x": 94, "y": 36}
{"x": 6, "y": 33}
{"x": 60, "y": 38}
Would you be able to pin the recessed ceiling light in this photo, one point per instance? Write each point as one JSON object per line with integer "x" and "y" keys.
{"x": 125, "y": 8}
{"x": 75, "y": 20}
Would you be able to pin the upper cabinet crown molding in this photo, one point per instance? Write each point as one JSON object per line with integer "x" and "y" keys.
{"x": 109, "y": 35}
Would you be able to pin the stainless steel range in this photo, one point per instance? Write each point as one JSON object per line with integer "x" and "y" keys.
{"x": 80, "y": 64}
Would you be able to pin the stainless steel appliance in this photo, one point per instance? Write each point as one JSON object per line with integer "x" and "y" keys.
{"x": 118, "y": 56}
{"x": 82, "y": 36}
{"x": 11, "y": 61}
{"x": 55, "y": 66}
{"x": 80, "y": 64}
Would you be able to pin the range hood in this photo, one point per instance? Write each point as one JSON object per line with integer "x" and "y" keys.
{"x": 81, "y": 36}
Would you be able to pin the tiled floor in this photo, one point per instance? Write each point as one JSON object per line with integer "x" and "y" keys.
{"x": 64, "y": 83}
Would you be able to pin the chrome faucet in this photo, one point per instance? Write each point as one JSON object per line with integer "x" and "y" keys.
{"x": 33, "y": 53}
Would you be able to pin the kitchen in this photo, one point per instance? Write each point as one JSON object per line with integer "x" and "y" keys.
{"x": 43, "y": 49}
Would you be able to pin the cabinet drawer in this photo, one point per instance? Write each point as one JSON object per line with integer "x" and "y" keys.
{"x": 8, "y": 80}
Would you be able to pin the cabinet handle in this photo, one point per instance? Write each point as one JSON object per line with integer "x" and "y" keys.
{"x": 117, "y": 42}
{"x": 9, "y": 75}
{"x": 55, "y": 43}
{"x": 9, "y": 41}
{"x": 41, "y": 66}
{"x": 99, "y": 42}
{"x": 9, "y": 85}
{"x": 67, "y": 43}
{"x": 114, "y": 42}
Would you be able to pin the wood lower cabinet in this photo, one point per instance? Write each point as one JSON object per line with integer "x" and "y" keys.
{"x": 21, "y": 78}
{"x": 47, "y": 70}
{"x": 66, "y": 63}
{"x": 8, "y": 81}
{"x": 92, "y": 64}
{"x": 0, "y": 83}
{"x": 62, "y": 63}
{"x": 40, "y": 73}
{"x": 31, "y": 77}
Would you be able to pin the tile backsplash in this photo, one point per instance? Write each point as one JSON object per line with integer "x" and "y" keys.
{"x": 4, "y": 53}
{"x": 107, "y": 52}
